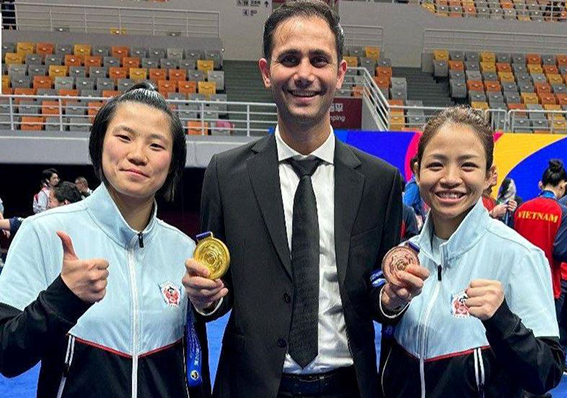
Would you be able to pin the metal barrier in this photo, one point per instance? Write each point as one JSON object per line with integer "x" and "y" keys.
{"x": 118, "y": 20}
{"x": 24, "y": 112}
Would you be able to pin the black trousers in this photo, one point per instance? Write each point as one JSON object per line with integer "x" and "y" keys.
{"x": 343, "y": 385}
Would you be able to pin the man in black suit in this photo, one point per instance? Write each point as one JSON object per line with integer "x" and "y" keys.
{"x": 303, "y": 244}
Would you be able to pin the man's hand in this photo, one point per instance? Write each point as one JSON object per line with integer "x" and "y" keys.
{"x": 204, "y": 293}
{"x": 498, "y": 211}
{"x": 87, "y": 279}
{"x": 393, "y": 297}
{"x": 512, "y": 205}
{"x": 485, "y": 297}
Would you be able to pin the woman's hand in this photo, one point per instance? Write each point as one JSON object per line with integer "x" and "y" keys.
{"x": 484, "y": 298}
{"x": 394, "y": 297}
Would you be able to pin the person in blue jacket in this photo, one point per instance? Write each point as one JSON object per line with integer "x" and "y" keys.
{"x": 483, "y": 324}
{"x": 93, "y": 289}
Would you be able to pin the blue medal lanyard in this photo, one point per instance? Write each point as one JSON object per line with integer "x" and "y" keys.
{"x": 194, "y": 355}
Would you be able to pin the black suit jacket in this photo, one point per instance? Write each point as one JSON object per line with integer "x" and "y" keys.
{"x": 242, "y": 205}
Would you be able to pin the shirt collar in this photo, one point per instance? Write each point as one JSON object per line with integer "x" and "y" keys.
{"x": 325, "y": 152}
{"x": 105, "y": 213}
{"x": 547, "y": 194}
{"x": 471, "y": 229}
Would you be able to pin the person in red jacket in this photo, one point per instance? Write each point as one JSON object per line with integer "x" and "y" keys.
{"x": 543, "y": 221}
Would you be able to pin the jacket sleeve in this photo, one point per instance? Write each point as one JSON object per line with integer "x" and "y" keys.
{"x": 212, "y": 219}
{"x": 24, "y": 335}
{"x": 523, "y": 332}
{"x": 390, "y": 238}
{"x": 560, "y": 241}
{"x": 535, "y": 362}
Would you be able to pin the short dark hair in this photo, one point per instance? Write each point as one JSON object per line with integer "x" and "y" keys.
{"x": 82, "y": 179}
{"x": 47, "y": 173}
{"x": 305, "y": 9}
{"x": 67, "y": 191}
{"x": 554, "y": 174}
{"x": 463, "y": 115}
{"x": 144, "y": 93}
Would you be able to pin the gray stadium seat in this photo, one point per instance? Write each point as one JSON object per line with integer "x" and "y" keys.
{"x": 79, "y": 124}
{"x": 457, "y": 75}
{"x": 477, "y": 96}
{"x": 473, "y": 75}
{"x": 64, "y": 83}
{"x": 102, "y": 51}
{"x": 150, "y": 63}
{"x": 455, "y": 55}
{"x": 218, "y": 78}
{"x": 174, "y": 53}
{"x": 63, "y": 49}
{"x": 53, "y": 60}
{"x": 97, "y": 72}
{"x": 458, "y": 89}
{"x": 166, "y": 63}
{"x": 440, "y": 68}
{"x": 85, "y": 83}
{"x": 503, "y": 57}
{"x": 78, "y": 71}
{"x": 156, "y": 53}
{"x": 21, "y": 82}
{"x": 509, "y": 87}
{"x": 548, "y": 59}
{"x": 194, "y": 54}
{"x": 103, "y": 83}
{"x": 472, "y": 66}
{"x": 111, "y": 61}
{"x": 139, "y": 52}
{"x": 37, "y": 70}
{"x": 33, "y": 59}
{"x": 512, "y": 98}
{"x": 124, "y": 84}
{"x": 519, "y": 59}
{"x": 559, "y": 88}
{"x": 188, "y": 64}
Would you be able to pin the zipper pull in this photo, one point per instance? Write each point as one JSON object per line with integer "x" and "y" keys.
{"x": 439, "y": 273}
{"x": 141, "y": 240}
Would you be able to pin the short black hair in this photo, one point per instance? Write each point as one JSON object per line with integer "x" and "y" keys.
{"x": 67, "y": 191}
{"x": 554, "y": 174}
{"x": 305, "y": 9}
{"x": 47, "y": 173}
{"x": 144, "y": 93}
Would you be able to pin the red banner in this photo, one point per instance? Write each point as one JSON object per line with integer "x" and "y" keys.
{"x": 346, "y": 113}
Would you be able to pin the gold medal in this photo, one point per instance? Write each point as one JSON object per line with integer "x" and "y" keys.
{"x": 213, "y": 254}
{"x": 398, "y": 259}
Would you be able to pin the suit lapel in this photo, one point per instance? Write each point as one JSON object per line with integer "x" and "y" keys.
{"x": 265, "y": 179}
{"x": 349, "y": 184}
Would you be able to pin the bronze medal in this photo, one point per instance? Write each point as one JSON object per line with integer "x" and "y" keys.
{"x": 213, "y": 254}
{"x": 398, "y": 259}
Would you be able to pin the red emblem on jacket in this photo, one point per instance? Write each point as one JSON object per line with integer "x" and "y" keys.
{"x": 171, "y": 294}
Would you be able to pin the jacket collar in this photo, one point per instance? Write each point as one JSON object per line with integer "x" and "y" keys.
{"x": 547, "y": 194}
{"x": 469, "y": 232}
{"x": 106, "y": 215}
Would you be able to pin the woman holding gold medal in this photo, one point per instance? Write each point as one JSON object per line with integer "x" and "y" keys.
{"x": 94, "y": 289}
{"x": 483, "y": 324}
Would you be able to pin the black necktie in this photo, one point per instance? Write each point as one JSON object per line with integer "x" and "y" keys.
{"x": 305, "y": 264}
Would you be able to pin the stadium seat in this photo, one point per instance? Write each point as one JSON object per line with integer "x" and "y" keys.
{"x": 157, "y": 74}
{"x": 165, "y": 86}
{"x": 25, "y": 48}
{"x": 440, "y": 68}
{"x": 53, "y": 60}
{"x": 174, "y": 53}
{"x": 98, "y": 72}
{"x": 138, "y": 73}
{"x": 218, "y": 78}
{"x": 33, "y": 59}
{"x": 207, "y": 88}
{"x": 124, "y": 84}
{"x": 197, "y": 128}
{"x": 63, "y": 49}
{"x": 37, "y": 70}
{"x": 13, "y": 58}
{"x": 57, "y": 71}
{"x": 42, "y": 82}
{"x": 167, "y": 63}
{"x": 177, "y": 74}
{"x": 205, "y": 65}
{"x": 441, "y": 55}
{"x": 85, "y": 83}
{"x": 117, "y": 73}
{"x": 187, "y": 87}
{"x": 150, "y": 63}
{"x": 156, "y": 53}
{"x": 44, "y": 48}
{"x": 119, "y": 51}
{"x": 32, "y": 123}
{"x": 372, "y": 52}
{"x": 472, "y": 65}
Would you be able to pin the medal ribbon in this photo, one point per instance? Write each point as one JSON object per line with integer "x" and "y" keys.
{"x": 193, "y": 354}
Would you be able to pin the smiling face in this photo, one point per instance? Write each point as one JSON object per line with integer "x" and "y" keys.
{"x": 303, "y": 72}
{"x": 452, "y": 175}
{"x": 136, "y": 152}
{"x": 53, "y": 180}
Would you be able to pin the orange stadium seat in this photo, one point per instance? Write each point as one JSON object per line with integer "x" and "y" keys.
{"x": 115, "y": 72}
{"x": 382, "y": 82}
{"x": 480, "y": 105}
{"x": 207, "y": 88}
{"x": 138, "y": 73}
{"x": 110, "y": 93}
{"x": 561, "y": 98}
{"x": 195, "y": 127}
{"x": 158, "y": 74}
{"x": 470, "y": 11}
{"x": 492, "y": 87}
{"x": 82, "y": 50}
{"x": 57, "y": 71}
{"x": 177, "y": 74}
{"x": 547, "y": 98}
{"x": 73, "y": 60}
{"x": 45, "y": 48}
{"x": 352, "y": 62}
{"x": 50, "y": 108}
{"x": 119, "y": 51}
{"x": 550, "y": 69}
{"x": 93, "y": 108}
{"x": 32, "y": 123}
{"x": 187, "y": 87}
{"x": 503, "y": 67}
{"x": 165, "y": 86}
{"x": 92, "y": 60}
{"x": 384, "y": 71}
{"x": 518, "y": 106}
{"x": 533, "y": 59}
{"x": 205, "y": 64}
{"x": 25, "y": 48}
{"x": 131, "y": 62}
{"x": 542, "y": 88}
{"x": 23, "y": 91}
{"x": 561, "y": 59}
{"x": 5, "y": 83}
{"x": 456, "y": 65}
{"x": 42, "y": 82}
{"x": 552, "y": 107}
{"x": 372, "y": 52}
{"x": 475, "y": 85}
{"x": 14, "y": 58}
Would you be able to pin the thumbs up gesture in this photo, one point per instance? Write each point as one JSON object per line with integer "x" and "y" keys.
{"x": 86, "y": 278}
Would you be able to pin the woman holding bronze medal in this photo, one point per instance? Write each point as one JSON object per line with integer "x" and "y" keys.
{"x": 94, "y": 289}
{"x": 483, "y": 323}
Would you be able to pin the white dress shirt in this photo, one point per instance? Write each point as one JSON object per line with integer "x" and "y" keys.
{"x": 333, "y": 345}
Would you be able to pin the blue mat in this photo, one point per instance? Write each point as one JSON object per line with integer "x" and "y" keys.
{"x": 24, "y": 386}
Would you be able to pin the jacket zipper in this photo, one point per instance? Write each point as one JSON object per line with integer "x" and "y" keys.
{"x": 135, "y": 309}
{"x": 428, "y": 311}
{"x": 67, "y": 365}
